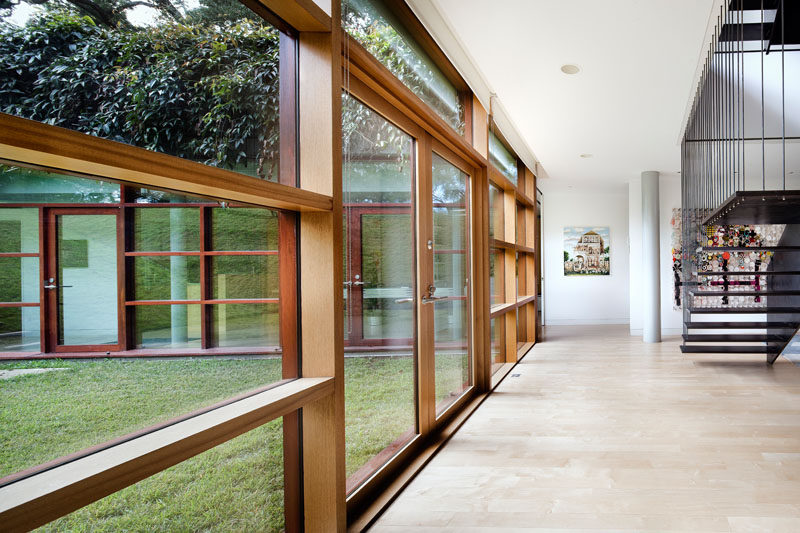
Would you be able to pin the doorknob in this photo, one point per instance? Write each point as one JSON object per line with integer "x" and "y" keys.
{"x": 50, "y": 284}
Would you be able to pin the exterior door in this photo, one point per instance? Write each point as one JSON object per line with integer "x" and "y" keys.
{"x": 83, "y": 280}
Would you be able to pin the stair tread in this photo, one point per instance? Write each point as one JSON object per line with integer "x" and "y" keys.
{"x": 695, "y": 292}
{"x": 751, "y": 248}
{"x": 742, "y": 325}
{"x": 729, "y": 349}
{"x": 709, "y": 337}
{"x": 749, "y": 273}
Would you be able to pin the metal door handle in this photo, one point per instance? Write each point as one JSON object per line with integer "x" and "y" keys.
{"x": 358, "y": 283}
{"x": 431, "y": 299}
{"x": 56, "y": 286}
{"x": 404, "y": 300}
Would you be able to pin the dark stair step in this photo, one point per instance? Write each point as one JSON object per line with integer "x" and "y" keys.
{"x": 743, "y": 273}
{"x": 741, "y": 310}
{"x": 696, "y": 292}
{"x": 730, "y": 349}
{"x": 751, "y": 248}
{"x": 758, "y": 207}
{"x": 736, "y": 338}
{"x": 742, "y": 325}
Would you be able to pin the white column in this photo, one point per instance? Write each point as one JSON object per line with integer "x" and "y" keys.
{"x": 651, "y": 289}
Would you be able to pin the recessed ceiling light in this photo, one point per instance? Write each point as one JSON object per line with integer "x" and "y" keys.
{"x": 570, "y": 69}
{"x": 586, "y": 156}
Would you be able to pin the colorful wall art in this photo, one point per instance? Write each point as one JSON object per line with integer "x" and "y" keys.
{"x": 586, "y": 251}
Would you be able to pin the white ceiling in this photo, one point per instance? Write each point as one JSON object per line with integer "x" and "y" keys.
{"x": 626, "y": 107}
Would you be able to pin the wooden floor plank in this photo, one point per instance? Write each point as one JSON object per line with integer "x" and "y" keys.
{"x": 600, "y": 432}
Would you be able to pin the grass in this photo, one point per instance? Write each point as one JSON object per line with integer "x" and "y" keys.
{"x": 237, "y": 486}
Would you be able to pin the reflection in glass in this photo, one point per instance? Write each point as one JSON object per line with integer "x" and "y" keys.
{"x": 174, "y": 229}
{"x": 372, "y": 23}
{"x": 451, "y": 316}
{"x": 167, "y": 326}
{"x": 19, "y": 329}
{"x": 244, "y": 277}
{"x": 166, "y": 277}
{"x": 387, "y": 276}
{"x": 244, "y": 229}
{"x": 87, "y": 279}
{"x": 27, "y": 186}
{"x": 498, "y": 343}
{"x": 19, "y": 279}
{"x": 245, "y": 325}
{"x": 380, "y": 410}
{"x": 236, "y": 486}
{"x": 19, "y": 230}
{"x": 497, "y": 275}
{"x": 201, "y": 84}
{"x": 503, "y": 160}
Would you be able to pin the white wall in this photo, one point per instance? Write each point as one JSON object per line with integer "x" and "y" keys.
{"x": 585, "y": 299}
{"x": 669, "y": 198}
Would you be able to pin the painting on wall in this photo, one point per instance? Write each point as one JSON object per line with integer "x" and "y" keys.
{"x": 586, "y": 251}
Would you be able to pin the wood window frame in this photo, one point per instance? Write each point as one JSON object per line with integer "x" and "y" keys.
{"x": 35, "y": 499}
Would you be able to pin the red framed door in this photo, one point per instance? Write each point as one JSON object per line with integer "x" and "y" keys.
{"x": 379, "y": 286}
{"x": 84, "y": 280}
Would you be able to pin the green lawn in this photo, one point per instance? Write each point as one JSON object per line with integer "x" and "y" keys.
{"x": 233, "y": 487}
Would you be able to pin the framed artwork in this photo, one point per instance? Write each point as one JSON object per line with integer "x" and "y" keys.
{"x": 586, "y": 251}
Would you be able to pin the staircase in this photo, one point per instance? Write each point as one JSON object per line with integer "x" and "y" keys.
{"x": 766, "y": 323}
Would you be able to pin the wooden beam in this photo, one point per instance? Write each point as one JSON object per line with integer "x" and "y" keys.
{"x": 34, "y": 501}
{"x": 31, "y": 142}
{"x": 301, "y": 15}
{"x": 321, "y": 276}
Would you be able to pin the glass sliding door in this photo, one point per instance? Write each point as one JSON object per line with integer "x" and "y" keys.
{"x": 449, "y": 293}
{"x": 379, "y": 273}
{"x": 83, "y": 279}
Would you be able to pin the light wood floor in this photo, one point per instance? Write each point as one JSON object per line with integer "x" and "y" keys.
{"x": 602, "y": 432}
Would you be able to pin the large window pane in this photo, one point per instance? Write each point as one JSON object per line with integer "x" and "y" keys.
{"x": 248, "y": 325}
{"x": 161, "y": 229}
{"x": 166, "y": 278}
{"x": 69, "y": 405}
{"x": 167, "y": 326}
{"x": 244, "y": 276}
{"x": 182, "y": 78}
{"x": 25, "y": 186}
{"x": 380, "y": 410}
{"x": 373, "y": 24}
{"x": 240, "y": 229}
{"x": 236, "y": 486}
{"x": 451, "y": 316}
{"x": 503, "y": 160}
{"x": 19, "y": 330}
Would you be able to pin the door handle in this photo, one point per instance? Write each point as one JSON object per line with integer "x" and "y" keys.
{"x": 56, "y": 286}
{"x": 403, "y": 300}
{"x": 431, "y": 299}
{"x": 358, "y": 283}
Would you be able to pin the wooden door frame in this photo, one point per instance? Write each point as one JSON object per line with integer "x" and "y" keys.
{"x": 50, "y": 325}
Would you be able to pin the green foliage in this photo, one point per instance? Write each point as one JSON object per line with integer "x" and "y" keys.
{"x": 372, "y": 26}
{"x": 205, "y": 92}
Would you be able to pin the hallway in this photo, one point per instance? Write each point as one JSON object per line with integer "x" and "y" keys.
{"x": 595, "y": 430}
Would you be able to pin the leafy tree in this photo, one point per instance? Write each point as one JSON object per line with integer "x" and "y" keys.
{"x": 201, "y": 91}
{"x": 108, "y": 13}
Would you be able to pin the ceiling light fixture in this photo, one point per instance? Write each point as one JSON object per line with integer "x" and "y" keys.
{"x": 586, "y": 156}
{"x": 570, "y": 69}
